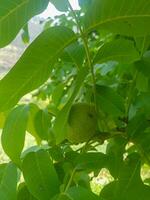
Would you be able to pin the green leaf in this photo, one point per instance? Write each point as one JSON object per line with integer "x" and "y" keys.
{"x": 13, "y": 134}
{"x": 62, "y": 197}
{"x": 142, "y": 102}
{"x": 127, "y": 17}
{"x": 129, "y": 185}
{"x": 142, "y": 43}
{"x": 57, "y": 93}
{"x": 84, "y": 4}
{"x": 11, "y": 11}
{"x": 115, "y": 150}
{"x": 109, "y": 101}
{"x": 79, "y": 193}
{"x": 2, "y": 168}
{"x": 23, "y": 193}
{"x": 40, "y": 175}
{"x": 35, "y": 65}
{"x": 74, "y": 53}
{"x": 61, "y": 5}
{"x": 34, "y": 109}
{"x": 60, "y": 124}
{"x": 139, "y": 133}
{"x": 143, "y": 65}
{"x": 142, "y": 83}
{"x": 137, "y": 125}
{"x": 25, "y": 35}
{"x": 2, "y": 119}
{"x": 120, "y": 50}
{"x": 8, "y": 183}
{"x": 91, "y": 161}
{"x": 42, "y": 124}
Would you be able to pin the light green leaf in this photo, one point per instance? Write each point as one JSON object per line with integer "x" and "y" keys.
{"x": 35, "y": 65}
{"x": 61, "y": 5}
{"x": 8, "y": 183}
{"x": 60, "y": 125}
{"x": 34, "y": 109}
{"x": 25, "y": 35}
{"x": 13, "y": 134}
{"x": 127, "y": 17}
{"x": 42, "y": 124}
{"x": 40, "y": 175}
{"x": 15, "y": 14}
{"x": 58, "y": 93}
{"x": 120, "y": 50}
{"x": 74, "y": 53}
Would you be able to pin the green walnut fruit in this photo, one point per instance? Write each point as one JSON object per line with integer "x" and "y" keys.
{"x": 82, "y": 123}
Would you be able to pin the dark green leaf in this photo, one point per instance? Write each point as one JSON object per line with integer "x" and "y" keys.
{"x": 115, "y": 151}
{"x": 62, "y": 197}
{"x": 129, "y": 185}
{"x": 143, "y": 65}
{"x": 40, "y": 175}
{"x": 91, "y": 161}
{"x": 142, "y": 83}
{"x": 109, "y": 101}
{"x": 23, "y": 193}
{"x": 137, "y": 125}
{"x": 142, "y": 43}
{"x": 79, "y": 193}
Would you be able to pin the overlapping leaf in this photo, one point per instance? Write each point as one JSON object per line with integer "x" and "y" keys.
{"x": 127, "y": 17}
{"x": 35, "y": 65}
{"x": 129, "y": 185}
{"x": 109, "y": 101}
{"x": 14, "y": 15}
{"x": 60, "y": 125}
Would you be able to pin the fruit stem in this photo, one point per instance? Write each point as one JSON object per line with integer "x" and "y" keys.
{"x": 70, "y": 180}
{"x": 85, "y": 43}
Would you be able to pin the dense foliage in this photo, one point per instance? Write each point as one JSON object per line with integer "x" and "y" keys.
{"x": 98, "y": 56}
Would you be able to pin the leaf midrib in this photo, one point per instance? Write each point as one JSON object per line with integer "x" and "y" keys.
{"x": 13, "y": 10}
{"x": 113, "y": 57}
{"x": 115, "y": 19}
